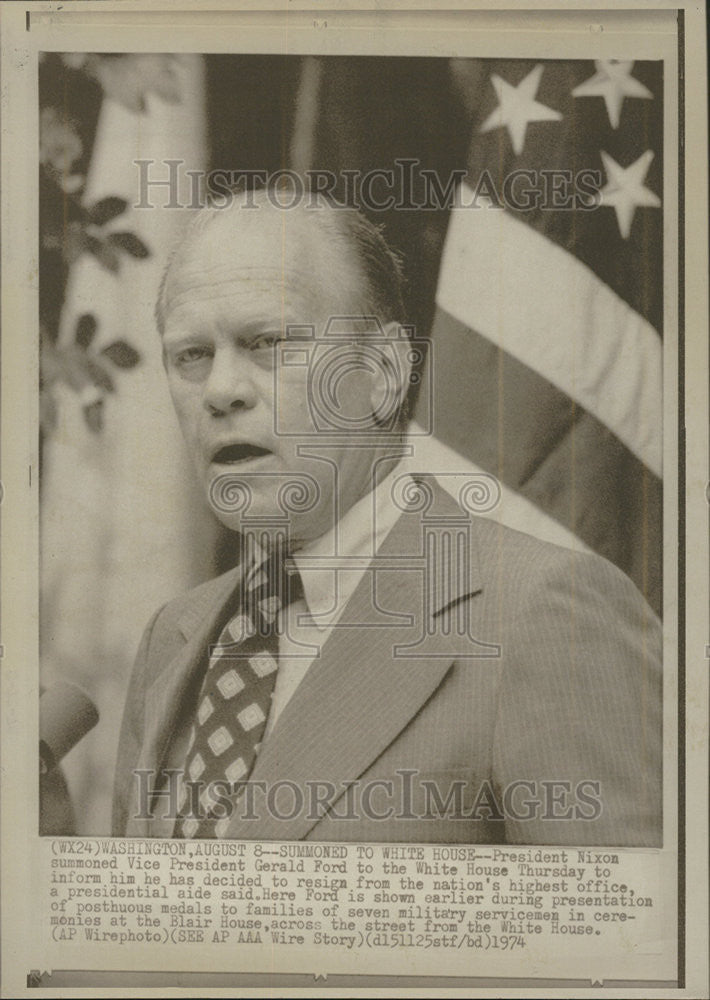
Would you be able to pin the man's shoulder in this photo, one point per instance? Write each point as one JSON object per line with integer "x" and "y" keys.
{"x": 530, "y": 569}
{"x": 500, "y": 547}
{"x": 516, "y": 566}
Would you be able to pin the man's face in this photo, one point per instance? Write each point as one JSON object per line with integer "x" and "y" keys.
{"x": 230, "y": 297}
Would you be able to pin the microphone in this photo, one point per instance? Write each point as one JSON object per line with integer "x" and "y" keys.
{"x": 66, "y": 715}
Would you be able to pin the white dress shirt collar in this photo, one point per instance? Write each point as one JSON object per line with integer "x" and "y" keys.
{"x": 347, "y": 549}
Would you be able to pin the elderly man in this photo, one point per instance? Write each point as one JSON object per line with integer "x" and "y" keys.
{"x": 381, "y": 664}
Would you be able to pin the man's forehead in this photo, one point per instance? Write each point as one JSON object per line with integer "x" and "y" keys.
{"x": 263, "y": 247}
{"x": 264, "y": 232}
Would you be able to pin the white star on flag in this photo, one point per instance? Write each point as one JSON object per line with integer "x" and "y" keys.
{"x": 613, "y": 82}
{"x": 625, "y": 190}
{"x": 517, "y": 107}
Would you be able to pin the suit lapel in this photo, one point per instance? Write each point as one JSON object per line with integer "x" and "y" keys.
{"x": 164, "y": 694}
{"x": 357, "y": 696}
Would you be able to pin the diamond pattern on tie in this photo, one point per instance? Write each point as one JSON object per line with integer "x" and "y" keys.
{"x": 204, "y": 711}
{"x": 235, "y": 698}
{"x": 230, "y": 684}
{"x": 263, "y": 665}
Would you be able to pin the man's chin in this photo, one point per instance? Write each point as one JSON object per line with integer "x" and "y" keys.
{"x": 253, "y": 500}
{"x": 238, "y": 503}
{"x": 262, "y": 495}
{"x": 269, "y": 528}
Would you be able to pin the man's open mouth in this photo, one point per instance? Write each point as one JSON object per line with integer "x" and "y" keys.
{"x": 232, "y": 454}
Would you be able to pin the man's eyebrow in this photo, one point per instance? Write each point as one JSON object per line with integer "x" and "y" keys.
{"x": 247, "y": 331}
{"x": 241, "y": 333}
{"x": 290, "y": 324}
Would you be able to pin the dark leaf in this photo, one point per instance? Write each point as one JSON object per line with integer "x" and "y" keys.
{"x": 130, "y": 243}
{"x": 94, "y": 415}
{"x": 100, "y": 376}
{"x": 106, "y": 209}
{"x": 122, "y": 354}
{"x": 85, "y": 330}
{"x": 104, "y": 253}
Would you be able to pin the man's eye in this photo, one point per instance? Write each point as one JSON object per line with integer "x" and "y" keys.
{"x": 190, "y": 355}
{"x": 265, "y": 341}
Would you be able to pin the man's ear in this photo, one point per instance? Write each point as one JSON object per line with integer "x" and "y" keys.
{"x": 390, "y": 387}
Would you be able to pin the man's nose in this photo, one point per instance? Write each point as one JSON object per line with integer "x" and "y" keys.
{"x": 230, "y": 385}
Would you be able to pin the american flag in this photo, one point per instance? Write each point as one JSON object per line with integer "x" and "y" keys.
{"x": 547, "y": 364}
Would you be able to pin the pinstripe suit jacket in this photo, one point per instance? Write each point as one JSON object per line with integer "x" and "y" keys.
{"x": 515, "y": 699}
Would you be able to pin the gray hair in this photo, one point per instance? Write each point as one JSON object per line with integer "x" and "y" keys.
{"x": 380, "y": 267}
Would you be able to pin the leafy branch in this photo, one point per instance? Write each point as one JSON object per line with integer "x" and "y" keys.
{"x": 87, "y": 372}
{"x": 72, "y": 89}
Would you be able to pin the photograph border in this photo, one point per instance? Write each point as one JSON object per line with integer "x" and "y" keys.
{"x": 67, "y": 978}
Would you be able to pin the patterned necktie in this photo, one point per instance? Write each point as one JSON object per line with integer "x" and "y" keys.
{"x": 235, "y": 698}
